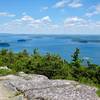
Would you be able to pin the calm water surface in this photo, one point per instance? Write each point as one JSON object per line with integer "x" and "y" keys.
{"x": 63, "y": 45}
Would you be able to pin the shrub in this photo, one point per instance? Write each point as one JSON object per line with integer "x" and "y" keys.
{"x": 50, "y": 65}
{"x": 6, "y": 72}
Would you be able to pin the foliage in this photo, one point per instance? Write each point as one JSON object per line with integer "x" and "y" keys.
{"x": 6, "y": 72}
{"x": 51, "y": 65}
{"x": 75, "y": 58}
{"x": 98, "y": 92}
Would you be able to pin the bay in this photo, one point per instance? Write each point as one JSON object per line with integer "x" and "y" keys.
{"x": 64, "y": 45}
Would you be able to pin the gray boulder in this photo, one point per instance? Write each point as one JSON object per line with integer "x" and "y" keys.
{"x": 39, "y": 87}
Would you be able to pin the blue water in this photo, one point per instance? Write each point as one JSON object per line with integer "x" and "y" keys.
{"x": 63, "y": 45}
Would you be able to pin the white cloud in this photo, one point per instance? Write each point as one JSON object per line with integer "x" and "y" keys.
{"x": 75, "y": 21}
{"x": 28, "y": 24}
{"x": 45, "y": 8}
{"x": 95, "y": 11}
{"x": 46, "y": 19}
{"x": 45, "y": 25}
{"x": 61, "y": 3}
{"x": 33, "y": 22}
{"x": 75, "y": 4}
{"x": 27, "y": 18}
{"x": 5, "y": 14}
{"x": 89, "y": 14}
{"x": 69, "y": 3}
{"x": 76, "y": 25}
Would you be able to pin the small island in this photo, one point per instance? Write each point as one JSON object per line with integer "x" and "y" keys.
{"x": 4, "y": 44}
{"x": 21, "y": 40}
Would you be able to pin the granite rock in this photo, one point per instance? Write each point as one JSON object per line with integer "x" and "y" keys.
{"x": 39, "y": 87}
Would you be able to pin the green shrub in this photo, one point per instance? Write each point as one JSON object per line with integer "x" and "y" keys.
{"x": 50, "y": 65}
{"x": 6, "y": 72}
{"x": 98, "y": 92}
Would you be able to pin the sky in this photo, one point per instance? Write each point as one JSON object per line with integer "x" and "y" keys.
{"x": 50, "y": 16}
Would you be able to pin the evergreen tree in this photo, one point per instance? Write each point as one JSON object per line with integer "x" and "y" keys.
{"x": 76, "y": 61}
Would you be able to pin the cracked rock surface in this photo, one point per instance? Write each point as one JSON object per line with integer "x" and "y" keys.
{"x": 39, "y": 87}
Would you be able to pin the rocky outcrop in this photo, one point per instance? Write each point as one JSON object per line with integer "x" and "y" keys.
{"x": 38, "y": 87}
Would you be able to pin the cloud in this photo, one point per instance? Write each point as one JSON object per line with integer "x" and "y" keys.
{"x": 30, "y": 20}
{"x": 5, "y": 14}
{"x": 61, "y": 4}
{"x": 77, "y": 25}
{"x": 27, "y": 18}
{"x": 72, "y": 21}
{"x": 46, "y": 19}
{"x": 95, "y": 11}
{"x": 68, "y": 3}
{"x": 45, "y": 25}
{"x": 44, "y": 8}
{"x": 27, "y": 24}
{"x": 75, "y": 4}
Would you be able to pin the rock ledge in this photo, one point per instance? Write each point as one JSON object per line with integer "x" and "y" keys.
{"x": 39, "y": 87}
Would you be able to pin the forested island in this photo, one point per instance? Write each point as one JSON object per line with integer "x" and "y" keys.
{"x": 50, "y": 65}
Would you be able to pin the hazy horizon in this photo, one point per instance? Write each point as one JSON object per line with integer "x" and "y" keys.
{"x": 50, "y": 34}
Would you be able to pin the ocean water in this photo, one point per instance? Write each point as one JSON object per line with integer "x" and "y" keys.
{"x": 64, "y": 45}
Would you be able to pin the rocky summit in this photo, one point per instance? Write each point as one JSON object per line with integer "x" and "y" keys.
{"x": 39, "y": 87}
